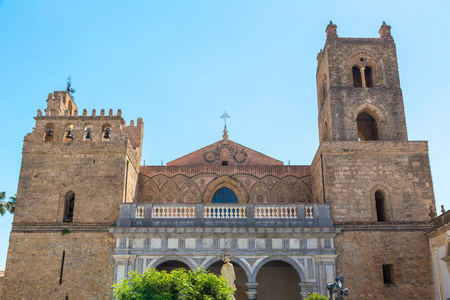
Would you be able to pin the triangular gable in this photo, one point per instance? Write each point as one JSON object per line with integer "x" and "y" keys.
{"x": 225, "y": 152}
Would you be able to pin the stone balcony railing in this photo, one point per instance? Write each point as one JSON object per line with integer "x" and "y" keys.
{"x": 224, "y": 215}
{"x": 441, "y": 220}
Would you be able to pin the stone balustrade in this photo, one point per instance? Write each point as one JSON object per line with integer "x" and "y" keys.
{"x": 225, "y": 212}
{"x": 174, "y": 211}
{"x": 276, "y": 212}
{"x": 224, "y": 215}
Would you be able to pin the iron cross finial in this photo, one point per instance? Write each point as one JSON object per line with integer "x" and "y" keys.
{"x": 225, "y": 116}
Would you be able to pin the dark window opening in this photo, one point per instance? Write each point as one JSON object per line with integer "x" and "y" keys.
{"x": 62, "y": 266}
{"x": 106, "y": 132}
{"x": 368, "y": 76}
{"x": 69, "y": 206}
{"x": 224, "y": 195}
{"x": 388, "y": 274}
{"x": 224, "y": 162}
{"x": 324, "y": 92}
{"x": 380, "y": 206}
{"x": 357, "y": 80}
{"x": 325, "y": 132}
{"x": 49, "y": 130}
{"x": 367, "y": 127}
{"x": 69, "y": 134}
{"x": 88, "y": 130}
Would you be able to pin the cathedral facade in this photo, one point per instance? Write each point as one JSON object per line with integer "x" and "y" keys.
{"x": 88, "y": 212}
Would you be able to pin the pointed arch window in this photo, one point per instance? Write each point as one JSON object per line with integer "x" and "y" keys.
{"x": 224, "y": 195}
{"x": 367, "y": 127}
{"x": 380, "y": 206}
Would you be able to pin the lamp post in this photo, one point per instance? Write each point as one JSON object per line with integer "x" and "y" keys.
{"x": 337, "y": 288}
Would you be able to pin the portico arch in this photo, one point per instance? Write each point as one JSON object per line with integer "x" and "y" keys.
{"x": 240, "y": 270}
{"x": 288, "y": 260}
{"x": 191, "y": 264}
{"x": 278, "y": 278}
{"x": 236, "y": 260}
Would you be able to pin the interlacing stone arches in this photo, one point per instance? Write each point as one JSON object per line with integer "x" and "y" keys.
{"x": 201, "y": 188}
{"x": 260, "y": 193}
{"x": 148, "y": 190}
{"x": 170, "y": 193}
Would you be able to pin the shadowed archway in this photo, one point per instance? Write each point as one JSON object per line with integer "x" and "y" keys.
{"x": 241, "y": 278}
{"x": 278, "y": 280}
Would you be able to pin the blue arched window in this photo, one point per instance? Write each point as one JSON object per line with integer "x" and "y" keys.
{"x": 224, "y": 195}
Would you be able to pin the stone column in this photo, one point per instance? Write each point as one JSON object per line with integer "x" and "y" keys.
{"x": 306, "y": 288}
{"x": 251, "y": 290}
{"x": 363, "y": 76}
{"x": 124, "y": 264}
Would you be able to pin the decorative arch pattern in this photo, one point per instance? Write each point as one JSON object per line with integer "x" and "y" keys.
{"x": 202, "y": 187}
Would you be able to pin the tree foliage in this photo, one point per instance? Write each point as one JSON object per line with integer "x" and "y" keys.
{"x": 7, "y": 206}
{"x": 176, "y": 285}
{"x": 316, "y": 296}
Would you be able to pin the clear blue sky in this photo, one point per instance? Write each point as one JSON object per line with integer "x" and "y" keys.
{"x": 180, "y": 64}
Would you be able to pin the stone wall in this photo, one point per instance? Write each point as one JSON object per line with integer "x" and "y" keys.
{"x": 361, "y": 255}
{"x": 354, "y": 171}
{"x": 33, "y": 267}
{"x": 93, "y": 169}
{"x": 60, "y": 158}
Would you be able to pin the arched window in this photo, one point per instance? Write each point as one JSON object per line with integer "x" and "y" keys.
{"x": 380, "y": 206}
{"x": 357, "y": 80}
{"x": 224, "y": 195}
{"x": 49, "y": 131}
{"x": 68, "y": 133}
{"x": 368, "y": 76}
{"x": 367, "y": 127}
{"x": 69, "y": 204}
{"x": 88, "y": 132}
{"x": 106, "y": 132}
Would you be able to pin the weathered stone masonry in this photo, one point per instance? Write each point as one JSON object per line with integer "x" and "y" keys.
{"x": 88, "y": 213}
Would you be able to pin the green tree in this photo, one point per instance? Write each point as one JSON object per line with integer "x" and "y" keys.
{"x": 316, "y": 296}
{"x": 178, "y": 284}
{"x": 7, "y": 205}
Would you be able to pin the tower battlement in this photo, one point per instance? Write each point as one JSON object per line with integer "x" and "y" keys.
{"x": 62, "y": 123}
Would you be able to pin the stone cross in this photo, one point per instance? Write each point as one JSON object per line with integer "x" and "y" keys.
{"x": 225, "y": 116}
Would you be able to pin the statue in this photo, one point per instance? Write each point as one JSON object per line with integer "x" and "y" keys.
{"x": 228, "y": 270}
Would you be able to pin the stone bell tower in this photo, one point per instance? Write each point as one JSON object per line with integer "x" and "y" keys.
{"x": 76, "y": 170}
{"x": 358, "y": 88}
{"x": 377, "y": 182}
